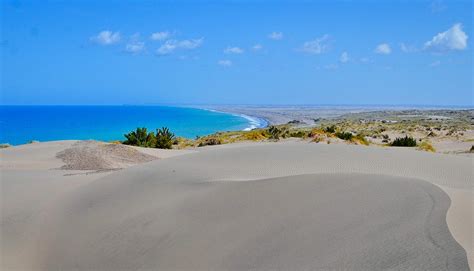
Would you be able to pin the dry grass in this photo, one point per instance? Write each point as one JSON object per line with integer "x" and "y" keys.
{"x": 426, "y": 146}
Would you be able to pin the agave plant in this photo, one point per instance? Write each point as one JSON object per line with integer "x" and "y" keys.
{"x": 140, "y": 137}
{"x": 164, "y": 138}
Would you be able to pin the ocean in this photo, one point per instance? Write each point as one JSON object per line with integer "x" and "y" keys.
{"x": 22, "y": 124}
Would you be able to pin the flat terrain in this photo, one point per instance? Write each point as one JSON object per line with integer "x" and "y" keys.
{"x": 288, "y": 205}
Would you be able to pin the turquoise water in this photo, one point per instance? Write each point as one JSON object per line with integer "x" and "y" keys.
{"x": 21, "y": 124}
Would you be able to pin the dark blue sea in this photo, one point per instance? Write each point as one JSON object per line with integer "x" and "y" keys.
{"x": 21, "y": 124}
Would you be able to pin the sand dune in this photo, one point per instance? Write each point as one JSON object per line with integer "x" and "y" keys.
{"x": 249, "y": 206}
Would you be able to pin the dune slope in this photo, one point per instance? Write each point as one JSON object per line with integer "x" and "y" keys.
{"x": 253, "y": 206}
{"x": 335, "y": 221}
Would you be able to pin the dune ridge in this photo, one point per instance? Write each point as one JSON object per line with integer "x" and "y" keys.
{"x": 263, "y": 206}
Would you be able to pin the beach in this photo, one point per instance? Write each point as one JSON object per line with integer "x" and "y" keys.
{"x": 257, "y": 205}
{"x": 236, "y": 135}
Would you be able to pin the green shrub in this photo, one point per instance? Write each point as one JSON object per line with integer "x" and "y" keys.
{"x": 344, "y": 135}
{"x": 360, "y": 139}
{"x": 275, "y": 132}
{"x": 140, "y": 137}
{"x": 210, "y": 141}
{"x": 330, "y": 129}
{"x": 5, "y": 145}
{"x": 404, "y": 142}
{"x": 164, "y": 138}
{"x": 299, "y": 134}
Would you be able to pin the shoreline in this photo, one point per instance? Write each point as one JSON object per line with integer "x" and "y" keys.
{"x": 15, "y": 130}
{"x": 254, "y": 121}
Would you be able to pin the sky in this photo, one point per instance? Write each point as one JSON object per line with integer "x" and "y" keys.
{"x": 236, "y": 52}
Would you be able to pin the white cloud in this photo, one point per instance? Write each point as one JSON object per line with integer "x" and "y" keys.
{"x": 407, "y": 48}
{"x": 160, "y": 35}
{"x": 171, "y": 45}
{"x": 451, "y": 39}
{"x": 344, "y": 57}
{"x": 257, "y": 47}
{"x": 317, "y": 46}
{"x": 435, "y": 63}
{"x": 135, "y": 47}
{"x": 167, "y": 48}
{"x": 190, "y": 44}
{"x": 106, "y": 37}
{"x": 383, "y": 49}
{"x": 276, "y": 35}
{"x": 225, "y": 62}
{"x": 233, "y": 50}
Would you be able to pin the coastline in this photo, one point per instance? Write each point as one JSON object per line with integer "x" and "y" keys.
{"x": 25, "y": 124}
{"x": 254, "y": 121}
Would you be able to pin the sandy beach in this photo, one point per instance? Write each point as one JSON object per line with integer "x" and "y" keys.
{"x": 261, "y": 206}
{"x": 236, "y": 135}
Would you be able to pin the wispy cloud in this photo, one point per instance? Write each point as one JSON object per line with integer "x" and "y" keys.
{"x": 233, "y": 50}
{"x": 317, "y": 46}
{"x": 171, "y": 45}
{"x": 452, "y": 39}
{"x": 344, "y": 58}
{"x": 276, "y": 35}
{"x": 224, "y": 62}
{"x": 408, "y": 48}
{"x": 159, "y": 36}
{"x": 135, "y": 47}
{"x": 106, "y": 37}
{"x": 257, "y": 47}
{"x": 383, "y": 49}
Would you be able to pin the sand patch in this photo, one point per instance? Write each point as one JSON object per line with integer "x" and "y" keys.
{"x": 305, "y": 222}
{"x": 99, "y": 156}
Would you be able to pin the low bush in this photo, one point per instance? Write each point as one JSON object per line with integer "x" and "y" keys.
{"x": 330, "y": 129}
{"x": 255, "y": 135}
{"x": 426, "y": 146}
{"x": 275, "y": 132}
{"x": 164, "y": 138}
{"x": 141, "y": 138}
{"x": 210, "y": 141}
{"x": 360, "y": 139}
{"x": 299, "y": 134}
{"x": 5, "y": 145}
{"x": 316, "y": 132}
{"x": 344, "y": 135}
{"x": 404, "y": 142}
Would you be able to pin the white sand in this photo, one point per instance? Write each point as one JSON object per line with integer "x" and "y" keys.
{"x": 187, "y": 212}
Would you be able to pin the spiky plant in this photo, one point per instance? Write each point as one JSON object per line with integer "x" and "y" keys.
{"x": 164, "y": 138}
{"x": 140, "y": 137}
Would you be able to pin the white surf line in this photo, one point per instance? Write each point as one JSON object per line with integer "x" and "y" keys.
{"x": 254, "y": 122}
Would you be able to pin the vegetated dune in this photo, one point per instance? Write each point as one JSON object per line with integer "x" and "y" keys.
{"x": 256, "y": 206}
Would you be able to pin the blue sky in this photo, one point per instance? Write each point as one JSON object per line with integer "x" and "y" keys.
{"x": 237, "y": 52}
